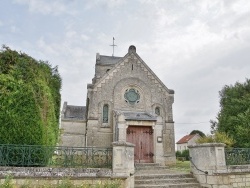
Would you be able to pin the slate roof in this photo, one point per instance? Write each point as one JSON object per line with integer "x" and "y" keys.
{"x": 107, "y": 60}
{"x": 139, "y": 116}
{"x": 75, "y": 112}
{"x": 185, "y": 139}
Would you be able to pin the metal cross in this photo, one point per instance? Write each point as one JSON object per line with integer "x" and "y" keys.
{"x": 113, "y": 45}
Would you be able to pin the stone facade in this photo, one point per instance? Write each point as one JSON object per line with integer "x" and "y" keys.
{"x": 125, "y": 92}
{"x": 73, "y": 126}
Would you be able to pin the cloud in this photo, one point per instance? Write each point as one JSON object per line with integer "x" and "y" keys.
{"x": 84, "y": 37}
{"x": 181, "y": 34}
{"x": 55, "y": 7}
{"x": 111, "y": 4}
{"x": 13, "y": 29}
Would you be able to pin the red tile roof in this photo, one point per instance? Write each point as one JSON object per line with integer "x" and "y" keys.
{"x": 185, "y": 139}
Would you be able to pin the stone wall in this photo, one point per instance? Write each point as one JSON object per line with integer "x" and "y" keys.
{"x": 39, "y": 176}
{"x": 43, "y": 182}
{"x": 209, "y": 167}
{"x": 73, "y": 133}
{"x": 47, "y": 172}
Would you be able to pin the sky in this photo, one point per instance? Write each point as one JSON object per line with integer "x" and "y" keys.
{"x": 194, "y": 46}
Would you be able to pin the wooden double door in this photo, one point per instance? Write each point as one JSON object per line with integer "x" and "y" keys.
{"x": 142, "y": 137}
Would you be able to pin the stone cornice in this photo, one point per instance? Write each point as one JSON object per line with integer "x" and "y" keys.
{"x": 123, "y": 143}
{"x": 207, "y": 145}
{"x": 73, "y": 120}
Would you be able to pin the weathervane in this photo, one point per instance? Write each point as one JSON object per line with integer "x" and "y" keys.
{"x": 113, "y": 45}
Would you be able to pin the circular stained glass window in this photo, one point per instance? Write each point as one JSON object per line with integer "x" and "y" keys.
{"x": 132, "y": 96}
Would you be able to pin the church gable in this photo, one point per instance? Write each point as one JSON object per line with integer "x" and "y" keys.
{"x": 130, "y": 76}
{"x": 118, "y": 64}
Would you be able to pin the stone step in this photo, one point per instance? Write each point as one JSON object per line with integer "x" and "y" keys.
{"x": 161, "y": 176}
{"x": 186, "y": 185}
{"x": 165, "y": 181}
{"x": 146, "y": 164}
{"x": 149, "y": 166}
{"x": 153, "y": 175}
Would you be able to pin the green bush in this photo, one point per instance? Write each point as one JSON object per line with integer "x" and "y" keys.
{"x": 182, "y": 155}
{"x": 29, "y": 100}
{"x": 218, "y": 137}
{"x": 19, "y": 116}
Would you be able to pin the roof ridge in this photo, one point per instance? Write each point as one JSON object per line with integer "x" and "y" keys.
{"x": 186, "y": 138}
{"x": 110, "y": 56}
{"x": 76, "y": 106}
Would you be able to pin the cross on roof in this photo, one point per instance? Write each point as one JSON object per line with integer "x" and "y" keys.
{"x": 113, "y": 45}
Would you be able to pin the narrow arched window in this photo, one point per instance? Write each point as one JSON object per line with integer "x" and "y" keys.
{"x": 157, "y": 111}
{"x": 105, "y": 114}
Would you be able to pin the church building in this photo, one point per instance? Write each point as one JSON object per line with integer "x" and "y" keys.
{"x": 126, "y": 102}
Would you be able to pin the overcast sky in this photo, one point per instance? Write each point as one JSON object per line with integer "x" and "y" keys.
{"x": 194, "y": 46}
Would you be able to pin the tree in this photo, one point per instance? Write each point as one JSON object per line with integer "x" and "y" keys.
{"x": 234, "y": 115}
{"x": 29, "y": 100}
{"x": 197, "y": 132}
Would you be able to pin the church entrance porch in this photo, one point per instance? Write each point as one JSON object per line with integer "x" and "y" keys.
{"x": 142, "y": 138}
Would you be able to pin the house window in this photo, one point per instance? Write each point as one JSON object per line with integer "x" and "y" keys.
{"x": 105, "y": 114}
{"x": 157, "y": 111}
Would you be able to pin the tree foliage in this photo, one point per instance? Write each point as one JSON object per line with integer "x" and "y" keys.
{"x": 182, "y": 154}
{"x": 218, "y": 137}
{"x": 197, "y": 132}
{"x": 234, "y": 115}
{"x": 29, "y": 100}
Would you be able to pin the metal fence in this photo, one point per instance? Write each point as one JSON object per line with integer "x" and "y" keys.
{"x": 57, "y": 156}
{"x": 237, "y": 156}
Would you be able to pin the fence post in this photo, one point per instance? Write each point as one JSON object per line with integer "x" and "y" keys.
{"x": 206, "y": 160}
{"x": 123, "y": 162}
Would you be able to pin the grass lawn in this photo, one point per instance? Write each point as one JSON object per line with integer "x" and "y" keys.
{"x": 181, "y": 166}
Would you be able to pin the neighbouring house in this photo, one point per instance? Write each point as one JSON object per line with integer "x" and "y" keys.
{"x": 187, "y": 140}
{"x": 127, "y": 102}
